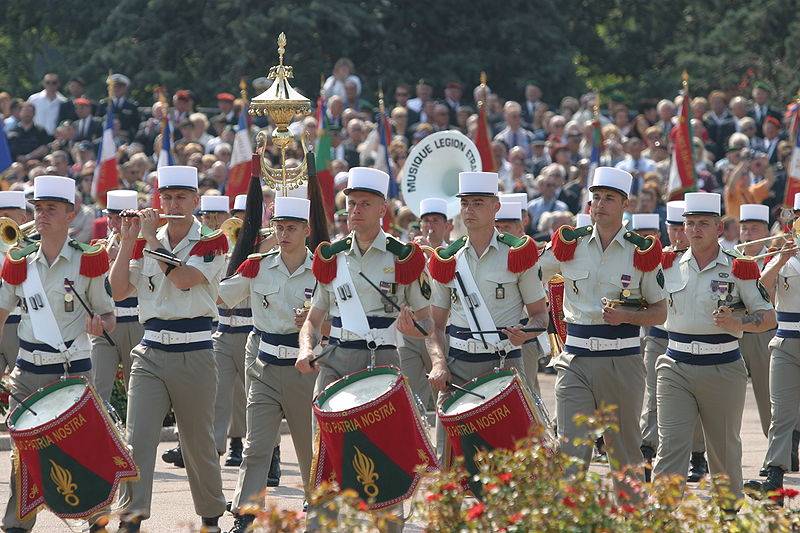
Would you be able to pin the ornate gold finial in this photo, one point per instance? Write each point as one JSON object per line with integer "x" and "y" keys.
{"x": 483, "y": 78}
{"x": 685, "y": 78}
{"x": 281, "y": 103}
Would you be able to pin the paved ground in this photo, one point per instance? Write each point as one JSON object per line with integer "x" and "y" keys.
{"x": 172, "y": 503}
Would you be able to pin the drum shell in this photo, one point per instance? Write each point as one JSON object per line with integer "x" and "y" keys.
{"x": 383, "y": 437}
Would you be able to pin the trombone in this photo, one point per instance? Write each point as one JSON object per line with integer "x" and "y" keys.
{"x": 793, "y": 234}
{"x": 12, "y": 233}
{"x": 232, "y": 228}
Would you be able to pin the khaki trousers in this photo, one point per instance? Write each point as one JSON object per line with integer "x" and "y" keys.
{"x": 531, "y": 352}
{"x": 229, "y": 406}
{"x": 755, "y": 352}
{"x": 716, "y": 394}
{"x": 655, "y": 348}
{"x": 415, "y": 364}
{"x": 187, "y": 381}
{"x": 275, "y": 392}
{"x": 583, "y": 385}
{"x": 23, "y": 384}
{"x": 784, "y": 386}
{"x": 106, "y": 358}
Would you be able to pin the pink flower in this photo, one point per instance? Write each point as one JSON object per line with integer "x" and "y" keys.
{"x": 569, "y": 502}
{"x": 433, "y": 497}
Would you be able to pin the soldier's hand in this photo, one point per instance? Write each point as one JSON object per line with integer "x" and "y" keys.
{"x": 519, "y": 337}
{"x": 439, "y": 376}
{"x": 94, "y": 326}
{"x": 615, "y": 315}
{"x": 786, "y": 252}
{"x": 300, "y": 316}
{"x": 129, "y": 228}
{"x": 724, "y": 318}
{"x": 303, "y": 363}
{"x": 405, "y": 322}
{"x": 150, "y": 221}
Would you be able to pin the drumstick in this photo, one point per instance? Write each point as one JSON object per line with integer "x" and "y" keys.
{"x": 466, "y": 391}
{"x": 70, "y": 287}
{"x": 16, "y": 398}
{"x": 393, "y": 303}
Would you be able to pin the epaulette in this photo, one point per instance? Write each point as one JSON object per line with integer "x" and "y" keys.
{"x": 523, "y": 253}
{"x": 565, "y": 241}
{"x": 250, "y": 266}
{"x": 410, "y": 260}
{"x": 15, "y": 267}
{"x": 668, "y": 256}
{"x": 94, "y": 258}
{"x": 647, "y": 256}
{"x": 323, "y": 266}
{"x": 212, "y": 242}
{"x": 442, "y": 263}
{"x": 743, "y": 267}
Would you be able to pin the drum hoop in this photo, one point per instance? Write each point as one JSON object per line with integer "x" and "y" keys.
{"x": 515, "y": 385}
{"x": 41, "y": 393}
{"x": 349, "y": 379}
{"x": 470, "y": 385}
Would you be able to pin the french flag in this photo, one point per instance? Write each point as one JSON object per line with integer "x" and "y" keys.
{"x": 106, "y": 174}
{"x": 5, "y": 149}
{"x": 241, "y": 160}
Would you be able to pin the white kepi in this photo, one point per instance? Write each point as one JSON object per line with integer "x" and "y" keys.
{"x": 702, "y": 203}
{"x": 240, "y": 202}
{"x": 367, "y": 180}
{"x": 56, "y": 188}
{"x": 797, "y": 201}
{"x": 754, "y": 213}
{"x": 612, "y": 178}
{"x": 289, "y": 208}
{"x": 430, "y": 206}
{"x": 176, "y": 177}
{"x": 12, "y": 199}
{"x": 675, "y": 211}
{"x": 214, "y": 204}
{"x": 646, "y": 221}
{"x": 121, "y": 200}
{"x": 583, "y": 219}
{"x": 477, "y": 184}
{"x": 509, "y": 210}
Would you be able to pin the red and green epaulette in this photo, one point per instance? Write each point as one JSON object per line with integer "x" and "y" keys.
{"x": 442, "y": 263}
{"x": 565, "y": 241}
{"x": 647, "y": 256}
{"x": 15, "y": 267}
{"x": 408, "y": 265}
{"x": 522, "y": 253}
{"x": 212, "y": 242}
{"x": 251, "y": 266}
{"x": 668, "y": 256}
{"x": 94, "y": 258}
{"x": 743, "y": 267}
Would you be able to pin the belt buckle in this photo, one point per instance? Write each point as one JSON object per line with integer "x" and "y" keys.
{"x": 166, "y": 338}
{"x": 37, "y": 358}
{"x": 282, "y": 352}
{"x": 594, "y": 344}
{"x": 472, "y": 346}
{"x": 695, "y": 348}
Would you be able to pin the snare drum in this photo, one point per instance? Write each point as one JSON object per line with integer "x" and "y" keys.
{"x": 69, "y": 456}
{"x": 507, "y": 415}
{"x": 370, "y": 437}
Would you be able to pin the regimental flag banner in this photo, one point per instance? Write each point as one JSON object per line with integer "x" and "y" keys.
{"x": 375, "y": 448}
{"x": 681, "y": 171}
{"x": 505, "y": 418}
{"x": 106, "y": 174}
{"x": 483, "y": 141}
{"x": 5, "y": 149}
{"x": 70, "y": 459}
{"x": 322, "y": 158}
{"x": 241, "y": 160}
{"x": 793, "y": 174}
{"x": 594, "y": 156}
{"x": 555, "y": 296}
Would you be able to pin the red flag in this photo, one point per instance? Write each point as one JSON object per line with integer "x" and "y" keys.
{"x": 681, "y": 175}
{"x": 106, "y": 174}
{"x": 483, "y": 142}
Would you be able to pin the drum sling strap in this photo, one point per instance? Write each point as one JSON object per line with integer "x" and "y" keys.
{"x": 478, "y": 316}
{"x": 354, "y": 319}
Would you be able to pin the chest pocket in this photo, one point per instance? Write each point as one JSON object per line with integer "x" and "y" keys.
{"x": 266, "y": 296}
{"x": 576, "y": 280}
{"x": 501, "y": 286}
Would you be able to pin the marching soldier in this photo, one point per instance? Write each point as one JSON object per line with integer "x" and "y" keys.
{"x": 52, "y": 333}
{"x": 482, "y": 281}
{"x": 128, "y": 332}
{"x": 754, "y": 225}
{"x": 415, "y": 362}
{"x": 13, "y": 206}
{"x": 280, "y": 285}
{"x": 392, "y": 265}
{"x": 177, "y": 281}
{"x": 702, "y": 373}
{"x": 613, "y": 285}
{"x": 508, "y": 220}
{"x": 233, "y": 327}
{"x": 656, "y": 345}
{"x": 781, "y": 278}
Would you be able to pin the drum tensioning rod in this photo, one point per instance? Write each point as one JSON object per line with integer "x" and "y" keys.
{"x": 69, "y": 285}
{"x": 392, "y": 302}
{"x": 17, "y": 399}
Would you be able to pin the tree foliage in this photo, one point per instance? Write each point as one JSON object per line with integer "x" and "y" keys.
{"x": 636, "y": 49}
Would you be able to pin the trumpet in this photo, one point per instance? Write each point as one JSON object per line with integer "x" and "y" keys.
{"x": 232, "y": 228}
{"x": 12, "y": 233}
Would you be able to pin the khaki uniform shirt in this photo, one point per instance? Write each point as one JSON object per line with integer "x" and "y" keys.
{"x": 594, "y": 274}
{"x": 694, "y": 295}
{"x": 377, "y": 263}
{"x": 159, "y": 298}
{"x": 504, "y": 292}
{"x": 70, "y": 316}
{"x": 274, "y": 292}
{"x": 787, "y": 288}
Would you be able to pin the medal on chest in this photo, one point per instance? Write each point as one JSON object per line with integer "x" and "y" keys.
{"x": 69, "y": 304}
{"x": 625, "y": 281}
{"x": 500, "y": 292}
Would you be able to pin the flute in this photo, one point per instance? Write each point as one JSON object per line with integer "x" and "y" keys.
{"x": 160, "y": 215}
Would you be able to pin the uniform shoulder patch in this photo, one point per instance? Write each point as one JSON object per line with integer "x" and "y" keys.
{"x": 452, "y": 249}
{"x": 425, "y": 286}
{"x": 19, "y": 253}
{"x": 660, "y": 278}
{"x": 442, "y": 263}
{"x": 328, "y": 249}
